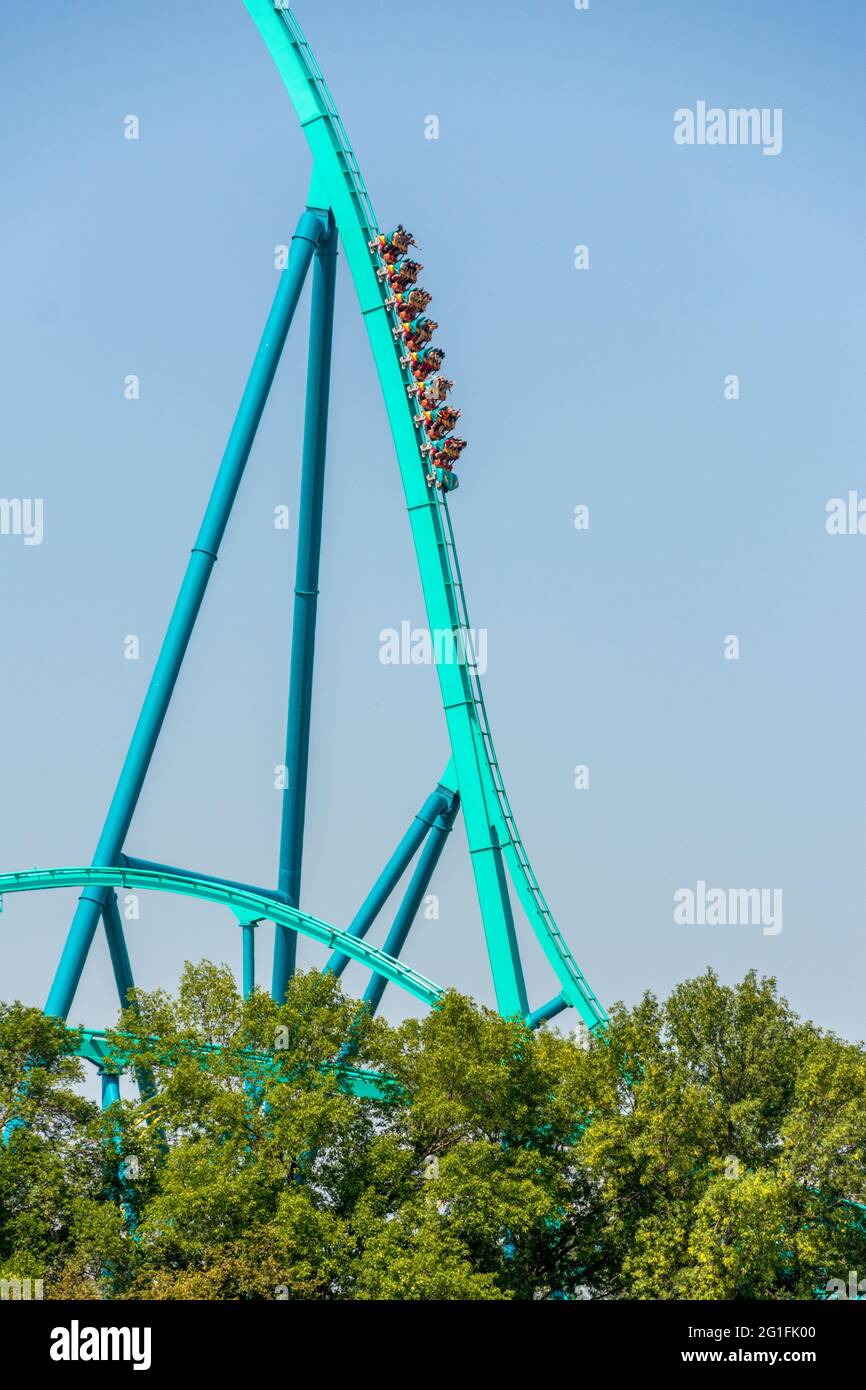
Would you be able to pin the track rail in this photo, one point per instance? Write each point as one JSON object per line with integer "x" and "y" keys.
{"x": 523, "y": 874}
{"x": 246, "y": 905}
{"x": 95, "y": 1047}
{"x": 338, "y": 180}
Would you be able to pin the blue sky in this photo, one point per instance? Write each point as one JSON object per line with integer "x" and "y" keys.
{"x": 602, "y": 387}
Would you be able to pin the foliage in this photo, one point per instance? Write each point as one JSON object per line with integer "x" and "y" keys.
{"x": 709, "y": 1147}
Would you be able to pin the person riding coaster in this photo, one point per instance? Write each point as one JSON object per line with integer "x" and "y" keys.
{"x": 401, "y": 239}
{"x": 392, "y": 246}
{"x": 438, "y": 423}
{"x": 416, "y": 334}
{"x": 400, "y": 277}
{"x": 431, "y": 393}
{"x": 409, "y": 306}
{"x": 445, "y": 451}
{"x": 425, "y": 363}
{"x": 436, "y": 433}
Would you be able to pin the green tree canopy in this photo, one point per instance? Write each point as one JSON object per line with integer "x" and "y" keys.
{"x": 708, "y": 1147}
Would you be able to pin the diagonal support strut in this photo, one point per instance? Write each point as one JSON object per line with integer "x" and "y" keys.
{"x": 311, "y": 227}
{"x": 418, "y": 884}
{"x": 437, "y": 802}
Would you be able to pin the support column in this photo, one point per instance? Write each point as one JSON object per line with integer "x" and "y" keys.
{"x": 418, "y": 885}
{"x": 117, "y": 947}
{"x": 110, "y": 1096}
{"x": 306, "y": 600}
{"x": 249, "y": 978}
{"x": 310, "y": 228}
{"x": 554, "y": 1006}
{"x": 501, "y": 937}
{"x": 110, "y": 1089}
{"x": 378, "y": 895}
{"x": 123, "y": 977}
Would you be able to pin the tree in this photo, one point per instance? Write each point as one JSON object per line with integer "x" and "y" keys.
{"x": 258, "y": 1173}
{"x": 51, "y": 1161}
{"x": 709, "y": 1147}
{"x": 726, "y": 1147}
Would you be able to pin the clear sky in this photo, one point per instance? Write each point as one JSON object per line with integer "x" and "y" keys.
{"x": 603, "y": 387}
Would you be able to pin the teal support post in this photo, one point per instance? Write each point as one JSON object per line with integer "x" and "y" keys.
{"x": 306, "y": 600}
{"x": 123, "y": 972}
{"x": 378, "y": 895}
{"x": 310, "y": 229}
{"x": 110, "y": 1089}
{"x": 554, "y": 1006}
{"x": 502, "y": 944}
{"x": 117, "y": 947}
{"x": 111, "y": 1096}
{"x": 249, "y": 934}
{"x": 418, "y": 884}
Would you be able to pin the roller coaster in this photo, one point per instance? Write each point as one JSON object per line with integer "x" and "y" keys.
{"x": 338, "y": 211}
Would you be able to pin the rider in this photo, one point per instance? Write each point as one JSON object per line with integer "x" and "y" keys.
{"x": 431, "y": 393}
{"x": 445, "y": 452}
{"x": 401, "y": 240}
{"x": 425, "y": 363}
{"x": 392, "y": 246}
{"x": 417, "y": 333}
{"x": 438, "y": 423}
{"x": 400, "y": 277}
{"x": 409, "y": 306}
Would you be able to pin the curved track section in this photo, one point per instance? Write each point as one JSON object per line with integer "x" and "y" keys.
{"x": 245, "y": 904}
{"x": 490, "y": 823}
{"x": 94, "y": 1047}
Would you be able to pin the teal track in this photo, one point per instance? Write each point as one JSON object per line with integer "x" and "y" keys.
{"x": 490, "y": 823}
{"x": 246, "y": 904}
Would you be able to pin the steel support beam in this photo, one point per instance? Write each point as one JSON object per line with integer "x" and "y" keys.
{"x": 306, "y": 599}
{"x": 110, "y": 1089}
{"x": 499, "y": 932}
{"x": 554, "y": 1006}
{"x": 117, "y": 947}
{"x": 156, "y": 701}
{"x": 418, "y": 884}
{"x": 249, "y": 934}
{"x": 436, "y": 803}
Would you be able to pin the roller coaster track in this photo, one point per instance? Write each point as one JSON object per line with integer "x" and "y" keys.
{"x": 247, "y": 904}
{"x": 111, "y": 1056}
{"x": 338, "y": 206}
{"x": 339, "y": 184}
